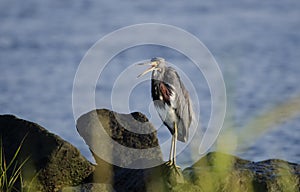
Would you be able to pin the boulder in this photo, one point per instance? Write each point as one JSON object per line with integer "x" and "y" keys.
{"x": 223, "y": 172}
{"x": 89, "y": 187}
{"x": 50, "y": 162}
{"x": 125, "y": 140}
{"x": 126, "y": 149}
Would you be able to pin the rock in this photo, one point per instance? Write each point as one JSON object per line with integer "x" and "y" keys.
{"x": 124, "y": 147}
{"x": 53, "y": 163}
{"x": 89, "y": 187}
{"x": 222, "y": 172}
{"x": 150, "y": 179}
{"x": 172, "y": 176}
{"x": 125, "y": 140}
{"x": 159, "y": 178}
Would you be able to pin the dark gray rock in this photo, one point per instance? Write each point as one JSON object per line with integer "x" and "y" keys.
{"x": 124, "y": 140}
{"x": 53, "y": 162}
{"x": 113, "y": 138}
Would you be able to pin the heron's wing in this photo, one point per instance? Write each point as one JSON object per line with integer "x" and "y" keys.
{"x": 180, "y": 100}
{"x": 166, "y": 92}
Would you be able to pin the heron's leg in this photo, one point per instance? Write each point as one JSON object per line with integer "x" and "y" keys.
{"x": 171, "y": 149}
{"x": 170, "y": 162}
{"x": 174, "y": 145}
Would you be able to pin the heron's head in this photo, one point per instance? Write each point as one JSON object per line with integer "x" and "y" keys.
{"x": 156, "y": 63}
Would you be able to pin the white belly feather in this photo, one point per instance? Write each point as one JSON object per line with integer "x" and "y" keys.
{"x": 166, "y": 112}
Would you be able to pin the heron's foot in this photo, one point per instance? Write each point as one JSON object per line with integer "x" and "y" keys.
{"x": 170, "y": 163}
{"x": 173, "y": 165}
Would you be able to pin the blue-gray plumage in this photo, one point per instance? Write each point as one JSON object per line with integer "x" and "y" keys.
{"x": 171, "y": 100}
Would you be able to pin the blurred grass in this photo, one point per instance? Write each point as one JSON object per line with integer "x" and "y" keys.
{"x": 223, "y": 176}
{"x": 269, "y": 119}
{"x": 10, "y": 172}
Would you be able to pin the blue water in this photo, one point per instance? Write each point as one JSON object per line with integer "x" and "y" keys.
{"x": 256, "y": 44}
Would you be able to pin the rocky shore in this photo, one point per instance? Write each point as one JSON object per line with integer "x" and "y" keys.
{"x": 52, "y": 164}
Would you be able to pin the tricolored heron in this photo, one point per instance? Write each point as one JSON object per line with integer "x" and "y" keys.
{"x": 171, "y": 100}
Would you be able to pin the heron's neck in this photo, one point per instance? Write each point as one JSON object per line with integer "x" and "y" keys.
{"x": 158, "y": 74}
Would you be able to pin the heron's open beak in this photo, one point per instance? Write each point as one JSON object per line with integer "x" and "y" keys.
{"x": 152, "y": 68}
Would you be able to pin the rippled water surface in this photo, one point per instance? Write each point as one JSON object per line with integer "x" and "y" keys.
{"x": 256, "y": 44}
